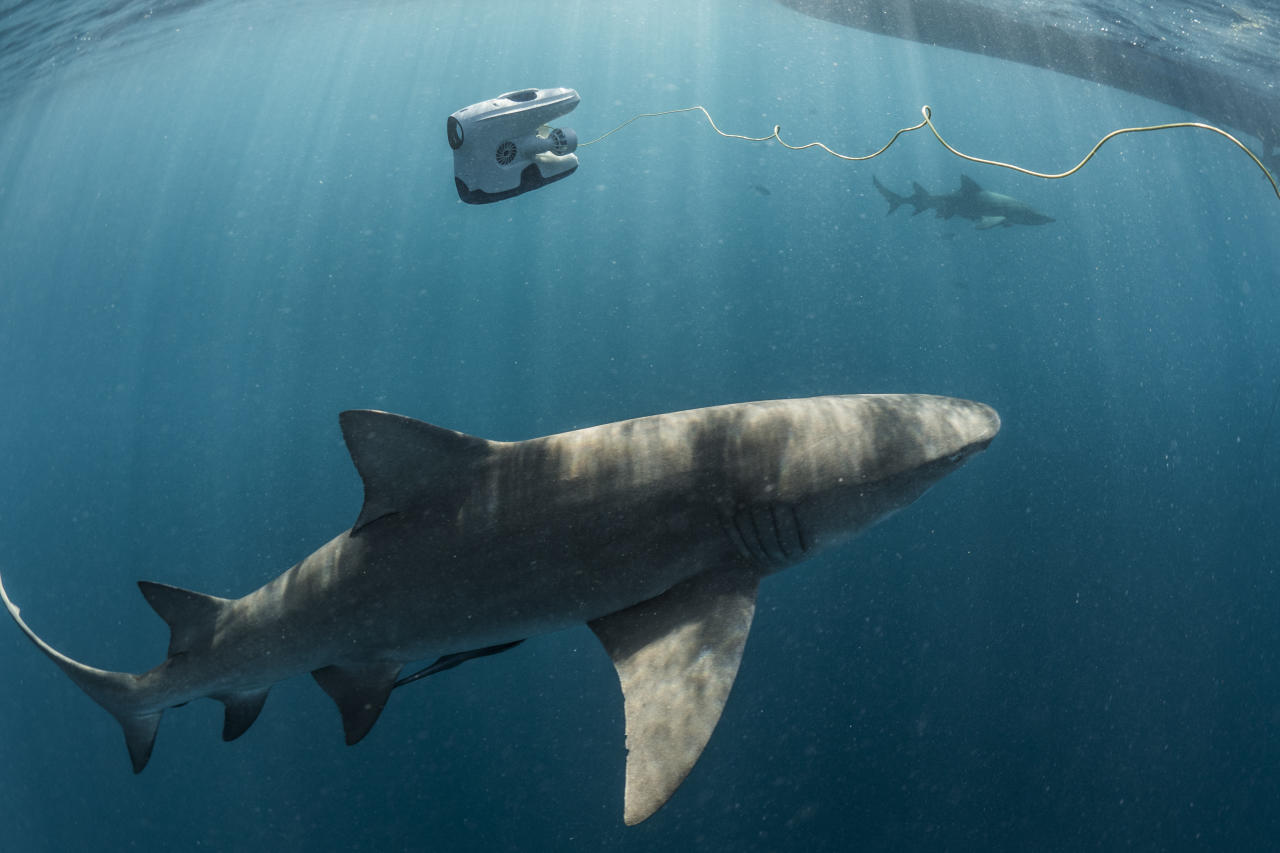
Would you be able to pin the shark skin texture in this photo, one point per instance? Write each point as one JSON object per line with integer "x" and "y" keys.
{"x": 985, "y": 208}
{"x": 655, "y": 532}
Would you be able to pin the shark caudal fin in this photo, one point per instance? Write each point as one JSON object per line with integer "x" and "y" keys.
{"x": 137, "y": 701}
{"x": 895, "y": 201}
{"x": 118, "y": 692}
{"x": 919, "y": 198}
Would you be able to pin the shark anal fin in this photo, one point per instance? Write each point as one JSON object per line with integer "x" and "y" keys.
{"x": 191, "y": 616}
{"x": 140, "y": 736}
{"x": 677, "y": 656}
{"x": 360, "y": 692}
{"x": 242, "y": 709}
{"x": 400, "y": 460}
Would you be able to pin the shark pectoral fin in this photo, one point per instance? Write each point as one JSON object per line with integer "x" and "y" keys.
{"x": 677, "y": 656}
{"x": 401, "y": 459}
{"x": 360, "y": 692}
{"x": 242, "y": 709}
{"x": 989, "y": 222}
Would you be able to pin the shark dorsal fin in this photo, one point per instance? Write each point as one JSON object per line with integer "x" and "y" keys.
{"x": 401, "y": 459}
{"x": 968, "y": 186}
{"x": 677, "y": 656}
{"x": 191, "y": 616}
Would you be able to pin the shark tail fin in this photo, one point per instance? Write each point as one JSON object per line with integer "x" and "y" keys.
{"x": 118, "y": 692}
{"x": 895, "y": 201}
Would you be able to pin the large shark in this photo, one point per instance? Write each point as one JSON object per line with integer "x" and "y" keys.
{"x": 971, "y": 201}
{"x": 655, "y": 532}
{"x": 1218, "y": 60}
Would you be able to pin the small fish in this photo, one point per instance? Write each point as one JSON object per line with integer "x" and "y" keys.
{"x": 763, "y": 190}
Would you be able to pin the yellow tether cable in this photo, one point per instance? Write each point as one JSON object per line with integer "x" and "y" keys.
{"x": 927, "y": 112}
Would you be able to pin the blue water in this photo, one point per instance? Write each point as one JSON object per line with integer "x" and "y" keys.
{"x": 242, "y": 221}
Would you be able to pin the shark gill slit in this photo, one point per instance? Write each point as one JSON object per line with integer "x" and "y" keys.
{"x": 793, "y": 536}
{"x": 760, "y": 541}
{"x": 754, "y": 544}
{"x": 777, "y": 533}
{"x": 800, "y": 537}
{"x": 733, "y": 527}
{"x": 728, "y": 523}
{"x": 741, "y": 540}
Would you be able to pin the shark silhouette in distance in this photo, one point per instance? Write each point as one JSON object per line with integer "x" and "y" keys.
{"x": 655, "y": 532}
{"x": 971, "y": 201}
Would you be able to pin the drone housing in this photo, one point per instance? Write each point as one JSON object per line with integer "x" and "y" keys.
{"x": 506, "y": 146}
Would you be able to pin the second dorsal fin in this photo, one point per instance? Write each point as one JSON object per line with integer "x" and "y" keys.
{"x": 192, "y": 616}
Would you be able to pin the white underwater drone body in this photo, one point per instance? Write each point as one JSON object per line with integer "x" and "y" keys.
{"x": 505, "y": 146}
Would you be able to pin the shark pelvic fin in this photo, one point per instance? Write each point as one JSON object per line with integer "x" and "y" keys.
{"x": 360, "y": 692}
{"x": 191, "y": 616}
{"x": 242, "y": 709}
{"x": 677, "y": 656}
{"x": 401, "y": 459}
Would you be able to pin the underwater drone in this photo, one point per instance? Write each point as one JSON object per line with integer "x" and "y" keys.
{"x": 505, "y": 146}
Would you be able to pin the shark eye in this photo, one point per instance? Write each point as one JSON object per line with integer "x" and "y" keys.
{"x": 956, "y": 457}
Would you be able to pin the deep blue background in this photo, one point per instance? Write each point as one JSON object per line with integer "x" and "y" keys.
{"x": 212, "y": 245}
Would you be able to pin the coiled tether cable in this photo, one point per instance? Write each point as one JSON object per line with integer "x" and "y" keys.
{"x": 927, "y": 121}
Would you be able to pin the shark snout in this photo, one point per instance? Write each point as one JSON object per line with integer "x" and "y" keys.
{"x": 992, "y": 416}
{"x": 980, "y": 425}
